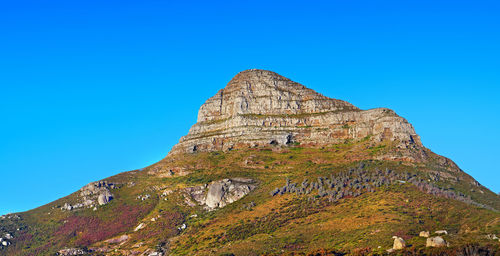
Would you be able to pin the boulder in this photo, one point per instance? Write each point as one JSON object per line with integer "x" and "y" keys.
{"x": 139, "y": 227}
{"x": 182, "y": 227}
{"x": 215, "y": 194}
{"x": 116, "y": 240}
{"x": 424, "y": 234}
{"x": 441, "y": 232}
{"x": 104, "y": 198}
{"x": 226, "y": 191}
{"x": 198, "y": 193}
{"x": 67, "y": 207}
{"x": 96, "y": 191}
{"x": 435, "y": 242}
{"x": 72, "y": 251}
{"x": 399, "y": 243}
{"x": 492, "y": 237}
{"x": 156, "y": 254}
{"x": 274, "y": 192}
{"x": 88, "y": 202}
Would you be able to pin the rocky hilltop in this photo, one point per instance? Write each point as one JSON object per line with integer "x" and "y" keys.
{"x": 260, "y": 107}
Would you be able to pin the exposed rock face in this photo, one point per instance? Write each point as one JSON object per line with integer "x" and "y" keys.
{"x": 259, "y": 107}
{"x": 435, "y": 242}
{"x": 104, "y": 197}
{"x": 92, "y": 194}
{"x": 221, "y": 193}
{"x": 96, "y": 191}
{"x": 226, "y": 191}
{"x": 72, "y": 251}
{"x": 215, "y": 194}
{"x": 360, "y": 180}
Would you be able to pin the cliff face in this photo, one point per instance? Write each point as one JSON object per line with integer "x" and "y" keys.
{"x": 259, "y": 107}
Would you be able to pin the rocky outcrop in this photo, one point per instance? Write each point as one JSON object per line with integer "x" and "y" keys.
{"x": 357, "y": 181}
{"x": 226, "y": 191}
{"x": 5, "y": 240}
{"x": 424, "y": 234}
{"x": 117, "y": 240}
{"x": 435, "y": 242}
{"x": 91, "y": 195}
{"x": 399, "y": 243}
{"x": 72, "y": 251}
{"x": 139, "y": 227}
{"x": 104, "y": 197}
{"x": 262, "y": 108}
{"x": 97, "y": 192}
{"x": 221, "y": 193}
{"x": 492, "y": 237}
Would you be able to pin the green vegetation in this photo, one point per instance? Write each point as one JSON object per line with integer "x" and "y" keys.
{"x": 275, "y": 225}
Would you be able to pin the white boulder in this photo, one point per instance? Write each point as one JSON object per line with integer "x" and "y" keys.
{"x": 424, "y": 234}
{"x": 399, "y": 243}
{"x": 441, "y": 232}
{"x": 436, "y": 242}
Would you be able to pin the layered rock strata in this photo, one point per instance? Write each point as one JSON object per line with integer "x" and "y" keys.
{"x": 261, "y": 108}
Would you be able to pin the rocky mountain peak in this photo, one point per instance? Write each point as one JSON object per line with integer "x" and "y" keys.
{"x": 262, "y": 92}
{"x": 260, "y": 107}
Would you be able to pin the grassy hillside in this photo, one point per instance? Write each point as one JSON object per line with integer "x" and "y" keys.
{"x": 380, "y": 198}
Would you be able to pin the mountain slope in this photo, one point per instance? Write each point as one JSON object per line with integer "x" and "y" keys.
{"x": 272, "y": 167}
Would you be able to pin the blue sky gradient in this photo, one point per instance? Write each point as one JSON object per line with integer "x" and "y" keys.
{"x": 92, "y": 88}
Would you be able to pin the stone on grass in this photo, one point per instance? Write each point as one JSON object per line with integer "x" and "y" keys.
{"x": 399, "y": 243}
{"x": 436, "y": 241}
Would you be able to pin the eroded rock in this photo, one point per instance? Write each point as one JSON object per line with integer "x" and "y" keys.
{"x": 119, "y": 239}
{"x": 72, "y": 251}
{"x": 435, "y": 242}
{"x": 262, "y": 108}
{"x": 96, "y": 193}
{"x": 441, "y": 232}
{"x": 399, "y": 243}
{"x": 139, "y": 227}
{"x": 226, "y": 191}
{"x": 424, "y": 234}
{"x": 104, "y": 197}
{"x": 221, "y": 193}
{"x": 67, "y": 207}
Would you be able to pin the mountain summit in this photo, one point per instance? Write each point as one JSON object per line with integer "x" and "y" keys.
{"x": 260, "y": 107}
{"x": 274, "y": 168}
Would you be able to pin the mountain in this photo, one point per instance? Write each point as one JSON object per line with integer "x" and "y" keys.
{"x": 274, "y": 168}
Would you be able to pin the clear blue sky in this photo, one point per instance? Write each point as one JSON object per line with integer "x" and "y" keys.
{"x": 92, "y": 88}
